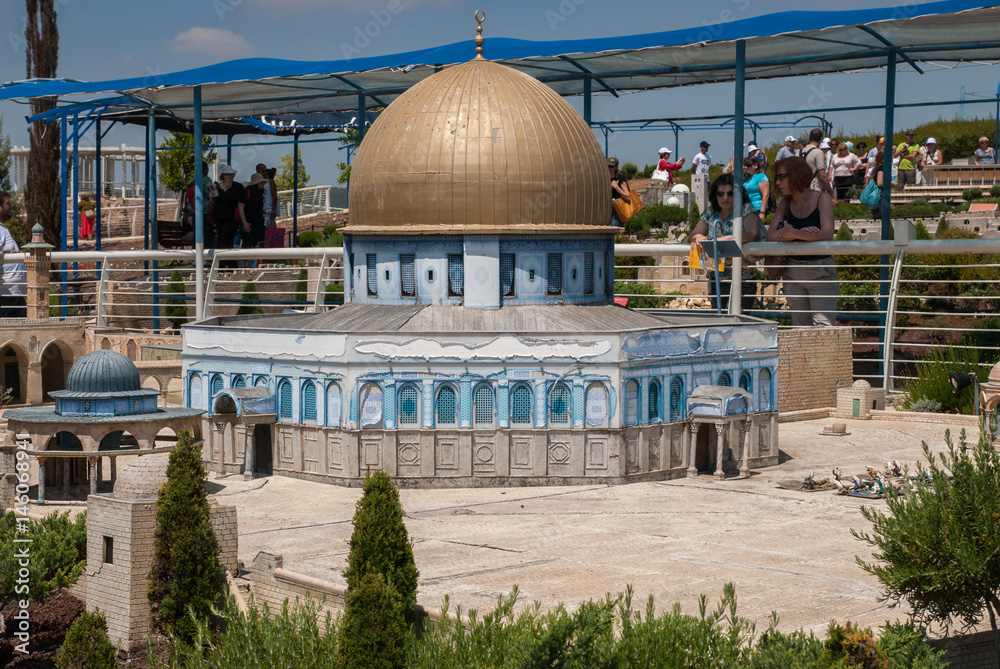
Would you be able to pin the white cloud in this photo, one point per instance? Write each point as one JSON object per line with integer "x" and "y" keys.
{"x": 212, "y": 42}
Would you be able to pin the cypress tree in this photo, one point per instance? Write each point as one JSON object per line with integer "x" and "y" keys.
{"x": 43, "y": 197}
{"x": 87, "y": 645}
{"x": 176, "y": 307}
{"x": 251, "y": 298}
{"x": 380, "y": 542}
{"x": 186, "y": 570}
{"x": 373, "y": 632}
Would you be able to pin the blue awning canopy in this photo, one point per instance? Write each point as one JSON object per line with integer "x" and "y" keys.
{"x": 777, "y": 45}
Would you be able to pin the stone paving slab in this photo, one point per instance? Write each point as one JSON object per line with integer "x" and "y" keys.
{"x": 786, "y": 550}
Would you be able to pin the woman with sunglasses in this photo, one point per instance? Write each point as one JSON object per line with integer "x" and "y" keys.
{"x": 717, "y": 223}
{"x": 842, "y": 169}
{"x": 805, "y": 215}
{"x": 984, "y": 154}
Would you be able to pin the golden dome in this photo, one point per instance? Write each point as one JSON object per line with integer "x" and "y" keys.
{"x": 484, "y": 149}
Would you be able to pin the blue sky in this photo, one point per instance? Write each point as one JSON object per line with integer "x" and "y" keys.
{"x": 105, "y": 39}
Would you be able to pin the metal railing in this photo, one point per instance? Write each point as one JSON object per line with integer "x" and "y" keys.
{"x": 312, "y": 200}
{"x": 931, "y": 301}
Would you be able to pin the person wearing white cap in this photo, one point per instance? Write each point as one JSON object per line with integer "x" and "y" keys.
{"x": 758, "y": 153}
{"x": 787, "y": 151}
{"x": 231, "y": 194}
{"x": 665, "y": 168}
{"x": 929, "y": 156}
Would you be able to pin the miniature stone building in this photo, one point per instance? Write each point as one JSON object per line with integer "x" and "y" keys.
{"x": 120, "y": 543}
{"x": 859, "y": 400}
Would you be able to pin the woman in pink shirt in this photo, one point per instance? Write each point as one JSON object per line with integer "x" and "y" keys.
{"x": 842, "y": 170}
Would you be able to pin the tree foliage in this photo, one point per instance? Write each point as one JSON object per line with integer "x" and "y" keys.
{"x": 380, "y": 542}
{"x": 177, "y": 166}
{"x": 43, "y": 197}
{"x": 938, "y": 548}
{"x": 58, "y": 548}
{"x": 251, "y": 299}
{"x": 176, "y": 307}
{"x": 87, "y": 645}
{"x": 284, "y": 179}
{"x": 186, "y": 571}
{"x": 373, "y": 631}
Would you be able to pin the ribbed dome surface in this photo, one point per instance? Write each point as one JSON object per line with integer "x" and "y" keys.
{"x": 479, "y": 148}
{"x": 143, "y": 478}
{"x": 103, "y": 371}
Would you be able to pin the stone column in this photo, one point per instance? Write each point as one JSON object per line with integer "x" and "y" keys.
{"x": 8, "y": 474}
{"x": 248, "y": 446}
{"x": 692, "y": 469}
{"x": 745, "y": 430}
{"x": 114, "y": 468}
{"x": 92, "y": 471}
{"x": 41, "y": 480}
{"x": 220, "y": 446}
{"x": 720, "y": 430}
{"x": 66, "y": 477}
{"x": 37, "y": 261}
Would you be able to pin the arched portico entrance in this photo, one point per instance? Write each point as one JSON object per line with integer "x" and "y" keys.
{"x": 14, "y": 372}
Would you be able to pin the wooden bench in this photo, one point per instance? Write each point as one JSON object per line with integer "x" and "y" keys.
{"x": 169, "y": 234}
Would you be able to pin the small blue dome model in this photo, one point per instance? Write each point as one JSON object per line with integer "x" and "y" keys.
{"x": 104, "y": 383}
{"x": 103, "y": 371}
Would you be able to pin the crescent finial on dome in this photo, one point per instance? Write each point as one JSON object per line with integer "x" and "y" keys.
{"x": 480, "y": 17}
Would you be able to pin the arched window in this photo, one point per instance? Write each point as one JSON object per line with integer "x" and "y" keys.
{"x": 447, "y": 406}
{"x": 676, "y": 399}
{"x": 216, "y": 384}
{"x": 631, "y": 402}
{"x": 195, "y": 400}
{"x": 482, "y": 405}
{"x": 371, "y": 405}
{"x": 746, "y": 382}
{"x": 308, "y": 401}
{"x": 131, "y": 351}
{"x": 725, "y": 380}
{"x": 260, "y": 382}
{"x": 520, "y": 404}
{"x": 409, "y": 405}
{"x": 559, "y": 405}
{"x": 284, "y": 399}
{"x": 333, "y": 405}
{"x": 106, "y": 344}
{"x": 596, "y": 403}
{"x": 764, "y": 390}
{"x": 654, "y": 401}
{"x": 239, "y": 381}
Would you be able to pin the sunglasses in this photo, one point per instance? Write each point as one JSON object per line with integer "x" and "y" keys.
{"x": 780, "y": 177}
{"x": 724, "y": 193}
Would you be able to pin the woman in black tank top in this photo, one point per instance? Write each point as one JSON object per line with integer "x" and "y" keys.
{"x": 804, "y": 215}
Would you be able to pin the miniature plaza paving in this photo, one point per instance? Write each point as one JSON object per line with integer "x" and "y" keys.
{"x": 786, "y": 550}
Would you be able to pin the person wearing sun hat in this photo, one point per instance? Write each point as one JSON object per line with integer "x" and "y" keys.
{"x": 930, "y": 155}
{"x": 787, "y": 151}
{"x": 227, "y": 202}
{"x": 664, "y": 165}
{"x": 252, "y": 211}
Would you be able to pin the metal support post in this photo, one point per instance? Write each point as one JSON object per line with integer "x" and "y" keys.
{"x": 98, "y": 184}
{"x": 199, "y": 214}
{"x": 887, "y": 148}
{"x": 736, "y": 292}
{"x": 586, "y": 100}
{"x": 64, "y": 193}
{"x": 295, "y": 185}
{"x": 153, "y": 222}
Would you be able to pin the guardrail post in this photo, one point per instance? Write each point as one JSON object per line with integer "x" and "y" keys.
{"x": 102, "y": 294}
{"x": 210, "y": 287}
{"x": 890, "y": 323}
{"x": 319, "y": 301}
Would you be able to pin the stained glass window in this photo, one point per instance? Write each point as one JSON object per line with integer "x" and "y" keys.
{"x": 676, "y": 399}
{"x": 596, "y": 404}
{"x": 372, "y": 268}
{"x": 409, "y": 405}
{"x": 764, "y": 390}
{"x": 654, "y": 401}
{"x": 456, "y": 275}
{"x": 285, "y": 399}
{"x": 631, "y": 402}
{"x": 507, "y": 274}
{"x": 407, "y": 276}
{"x": 446, "y": 406}
{"x": 520, "y": 405}
{"x": 555, "y": 274}
{"x": 559, "y": 405}
{"x": 482, "y": 405}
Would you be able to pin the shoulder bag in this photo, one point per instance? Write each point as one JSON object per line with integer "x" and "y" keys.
{"x": 871, "y": 196}
{"x": 626, "y": 210}
{"x": 660, "y": 175}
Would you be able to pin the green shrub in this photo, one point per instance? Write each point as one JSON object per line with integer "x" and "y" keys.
{"x": 380, "y": 542}
{"x": 647, "y": 171}
{"x": 995, "y": 190}
{"x": 693, "y": 217}
{"x": 637, "y": 295}
{"x": 925, "y": 405}
{"x": 853, "y": 646}
{"x": 932, "y": 379}
{"x": 906, "y": 647}
{"x": 87, "y": 645}
{"x": 310, "y": 238}
{"x": 373, "y": 631}
{"x": 844, "y": 233}
{"x": 250, "y": 300}
{"x": 58, "y": 554}
{"x": 255, "y": 638}
{"x": 333, "y": 240}
{"x": 985, "y": 337}
{"x": 185, "y": 574}
{"x": 775, "y": 650}
{"x": 629, "y": 170}
{"x": 921, "y": 231}
{"x": 176, "y": 309}
{"x": 851, "y": 210}
{"x": 627, "y": 267}
{"x": 330, "y": 230}
{"x": 334, "y": 293}
{"x": 970, "y": 194}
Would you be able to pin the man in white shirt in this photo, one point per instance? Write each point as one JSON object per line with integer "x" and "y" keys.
{"x": 14, "y": 278}
{"x": 787, "y": 151}
{"x": 702, "y": 161}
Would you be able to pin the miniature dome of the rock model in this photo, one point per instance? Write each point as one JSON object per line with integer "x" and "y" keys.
{"x": 103, "y": 371}
{"x": 143, "y": 478}
{"x": 479, "y": 148}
